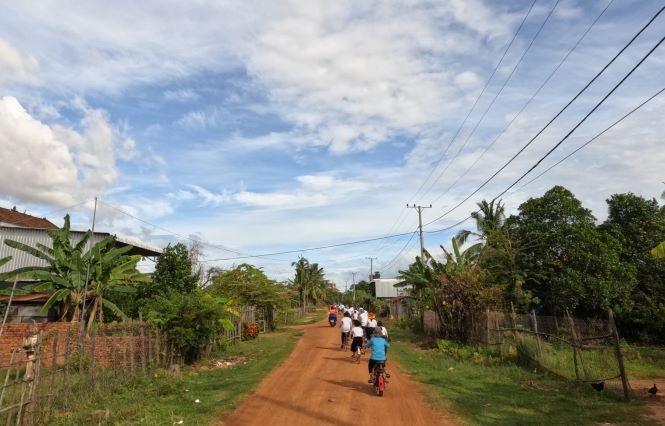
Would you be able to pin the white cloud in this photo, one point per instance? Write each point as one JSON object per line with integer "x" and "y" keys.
{"x": 56, "y": 164}
{"x": 15, "y": 67}
{"x": 181, "y": 95}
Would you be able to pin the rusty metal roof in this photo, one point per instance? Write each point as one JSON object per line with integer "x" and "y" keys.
{"x": 13, "y": 217}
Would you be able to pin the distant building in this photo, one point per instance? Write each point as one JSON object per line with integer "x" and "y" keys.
{"x": 385, "y": 288}
{"x": 32, "y": 230}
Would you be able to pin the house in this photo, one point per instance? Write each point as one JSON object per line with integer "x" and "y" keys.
{"x": 31, "y": 230}
{"x": 385, "y": 288}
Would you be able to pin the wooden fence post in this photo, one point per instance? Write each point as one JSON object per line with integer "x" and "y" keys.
{"x": 535, "y": 329}
{"x": 619, "y": 355}
{"x": 142, "y": 342}
{"x": 487, "y": 326}
{"x": 573, "y": 339}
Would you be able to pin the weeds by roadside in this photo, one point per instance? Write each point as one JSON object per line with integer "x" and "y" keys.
{"x": 482, "y": 391}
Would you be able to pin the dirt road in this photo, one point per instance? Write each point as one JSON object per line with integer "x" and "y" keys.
{"x": 319, "y": 385}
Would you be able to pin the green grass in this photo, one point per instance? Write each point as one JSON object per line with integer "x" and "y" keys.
{"x": 506, "y": 394}
{"x": 163, "y": 399}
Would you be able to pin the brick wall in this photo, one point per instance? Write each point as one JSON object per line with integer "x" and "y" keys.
{"x": 119, "y": 348}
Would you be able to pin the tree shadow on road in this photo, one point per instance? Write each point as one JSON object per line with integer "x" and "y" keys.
{"x": 353, "y": 385}
{"x": 321, "y": 418}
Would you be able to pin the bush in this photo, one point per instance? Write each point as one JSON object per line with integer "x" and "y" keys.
{"x": 189, "y": 321}
{"x": 250, "y": 330}
{"x": 527, "y": 352}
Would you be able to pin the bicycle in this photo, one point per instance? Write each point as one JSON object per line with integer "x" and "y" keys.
{"x": 357, "y": 354}
{"x": 379, "y": 378}
{"x": 345, "y": 341}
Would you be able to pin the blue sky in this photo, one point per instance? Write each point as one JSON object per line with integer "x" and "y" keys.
{"x": 271, "y": 126}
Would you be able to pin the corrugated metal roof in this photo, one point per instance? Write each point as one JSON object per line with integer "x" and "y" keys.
{"x": 32, "y": 236}
{"x": 13, "y": 217}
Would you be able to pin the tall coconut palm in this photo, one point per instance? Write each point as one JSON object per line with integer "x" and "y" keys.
{"x": 309, "y": 281}
{"x": 489, "y": 217}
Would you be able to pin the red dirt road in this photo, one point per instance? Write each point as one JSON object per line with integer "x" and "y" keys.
{"x": 319, "y": 385}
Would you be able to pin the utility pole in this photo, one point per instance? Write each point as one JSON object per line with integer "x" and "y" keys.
{"x": 420, "y": 226}
{"x": 371, "y": 267}
{"x": 353, "y": 274}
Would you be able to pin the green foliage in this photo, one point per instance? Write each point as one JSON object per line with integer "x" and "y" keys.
{"x": 639, "y": 225}
{"x": 659, "y": 251}
{"x": 566, "y": 261}
{"x": 248, "y": 285}
{"x": 108, "y": 270}
{"x": 173, "y": 272}
{"x": 309, "y": 281}
{"x": 191, "y": 321}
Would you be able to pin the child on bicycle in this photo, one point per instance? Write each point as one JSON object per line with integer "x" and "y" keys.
{"x": 357, "y": 334}
{"x": 345, "y": 327}
{"x": 379, "y": 347}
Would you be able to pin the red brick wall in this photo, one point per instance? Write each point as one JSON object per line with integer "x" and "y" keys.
{"x": 118, "y": 349}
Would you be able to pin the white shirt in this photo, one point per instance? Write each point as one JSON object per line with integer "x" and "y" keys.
{"x": 354, "y": 315}
{"x": 357, "y": 332}
{"x": 363, "y": 319}
{"x": 346, "y": 325}
{"x": 384, "y": 331}
{"x": 371, "y": 323}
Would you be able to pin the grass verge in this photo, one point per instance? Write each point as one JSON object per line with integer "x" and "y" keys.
{"x": 163, "y": 399}
{"x": 507, "y": 394}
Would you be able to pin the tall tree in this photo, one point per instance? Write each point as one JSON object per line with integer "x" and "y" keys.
{"x": 489, "y": 218}
{"x": 309, "y": 280}
{"x": 173, "y": 272}
{"x": 639, "y": 225}
{"x": 570, "y": 264}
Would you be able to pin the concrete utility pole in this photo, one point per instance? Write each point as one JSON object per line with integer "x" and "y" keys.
{"x": 371, "y": 267}
{"x": 353, "y": 274}
{"x": 420, "y": 227}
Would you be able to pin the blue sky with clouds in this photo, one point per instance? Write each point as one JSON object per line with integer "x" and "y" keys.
{"x": 271, "y": 126}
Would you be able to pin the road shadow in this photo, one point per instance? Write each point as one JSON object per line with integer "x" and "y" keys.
{"x": 303, "y": 410}
{"x": 355, "y": 385}
{"x": 330, "y": 348}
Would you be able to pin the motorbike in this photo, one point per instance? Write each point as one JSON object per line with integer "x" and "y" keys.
{"x": 332, "y": 319}
{"x": 379, "y": 378}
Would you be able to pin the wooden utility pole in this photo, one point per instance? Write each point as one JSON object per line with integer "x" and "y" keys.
{"x": 420, "y": 226}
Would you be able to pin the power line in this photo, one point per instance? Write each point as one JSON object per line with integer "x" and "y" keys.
{"x": 402, "y": 216}
{"x": 533, "y": 96}
{"x": 547, "y": 154}
{"x": 555, "y": 117}
{"x": 629, "y": 113}
{"x": 496, "y": 96}
{"x": 394, "y": 259}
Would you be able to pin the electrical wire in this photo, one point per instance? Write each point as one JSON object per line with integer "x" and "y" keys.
{"x": 584, "y": 145}
{"x": 496, "y": 96}
{"x": 553, "y": 118}
{"x": 558, "y": 144}
{"x": 528, "y": 102}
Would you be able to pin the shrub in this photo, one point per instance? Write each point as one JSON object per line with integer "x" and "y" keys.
{"x": 527, "y": 352}
{"x": 250, "y": 330}
{"x": 189, "y": 321}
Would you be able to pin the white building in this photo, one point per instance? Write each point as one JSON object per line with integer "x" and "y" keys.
{"x": 385, "y": 288}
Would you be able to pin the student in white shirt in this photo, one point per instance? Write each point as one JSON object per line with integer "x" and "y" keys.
{"x": 357, "y": 333}
{"x": 345, "y": 327}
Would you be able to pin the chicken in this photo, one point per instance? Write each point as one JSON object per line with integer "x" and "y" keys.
{"x": 653, "y": 390}
{"x": 598, "y": 386}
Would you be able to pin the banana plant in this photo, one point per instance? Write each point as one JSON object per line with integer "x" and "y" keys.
{"x": 106, "y": 269}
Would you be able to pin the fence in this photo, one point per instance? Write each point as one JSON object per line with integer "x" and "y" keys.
{"x": 53, "y": 370}
{"x": 581, "y": 349}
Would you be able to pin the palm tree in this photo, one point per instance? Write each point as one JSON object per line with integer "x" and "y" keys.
{"x": 309, "y": 281}
{"x": 106, "y": 268}
{"x": 489, "y": 217}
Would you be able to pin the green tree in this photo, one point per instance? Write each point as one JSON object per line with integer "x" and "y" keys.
{"x": 173, "y": 272}
{"x": 309, "y": 280}
{"x": 639, "y": 225}
{"x": 569, "y": 263}
{"x": 192, "y": 322}
{"x": 489, "y": 218}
